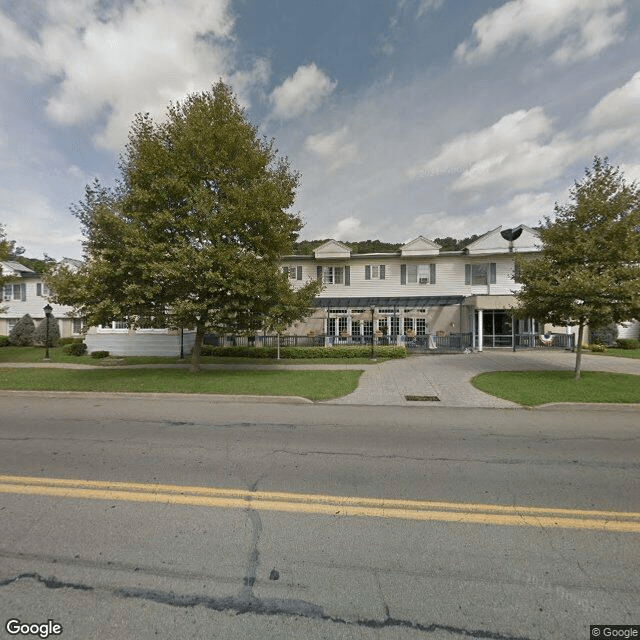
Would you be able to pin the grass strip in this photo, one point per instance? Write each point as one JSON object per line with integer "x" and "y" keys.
{"x": 314, "y": 385}
{"x": 532, "y": 388}
{"x": 36, "y": 355}
{"x": 620, "y": 353}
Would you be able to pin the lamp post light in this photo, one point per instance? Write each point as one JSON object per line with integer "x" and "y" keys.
{"x": 47, "y": 312}
{"x": 373, "y": 335}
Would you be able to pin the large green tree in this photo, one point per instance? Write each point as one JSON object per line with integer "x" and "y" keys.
{"x": 192, "y": 234}
{"x": 588, "y": 272}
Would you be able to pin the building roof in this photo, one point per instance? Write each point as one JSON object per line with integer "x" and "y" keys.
{"x": 394, "y": 301}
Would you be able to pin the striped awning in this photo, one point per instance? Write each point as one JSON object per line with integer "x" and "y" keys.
{"x": 400, "y": 301}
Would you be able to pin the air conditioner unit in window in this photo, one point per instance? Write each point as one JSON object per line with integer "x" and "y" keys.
{"x": 423, "y": 280}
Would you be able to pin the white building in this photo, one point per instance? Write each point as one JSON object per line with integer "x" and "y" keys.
{"x": 463, "y": 296}
{"x": 24, "y": 291}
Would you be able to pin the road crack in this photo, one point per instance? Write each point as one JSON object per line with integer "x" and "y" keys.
{"x": 288, "y": 607}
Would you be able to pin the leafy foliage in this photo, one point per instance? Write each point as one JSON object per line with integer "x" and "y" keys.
{"x": 4, "y": 341}
{"x": 22, "y": 333}
{"x": 606, "y": 335}
{"x": 40, "y": 334}
{"x": 98, "y": 355}
{"x": 355, "y": 351}
{"x": 75, "y": 349}
{"x": 192, "y": 234}
{"x": 628, "y": 343}
{"x": 589, "y": 269}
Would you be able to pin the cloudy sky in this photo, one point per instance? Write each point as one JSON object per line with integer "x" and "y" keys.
{"x": 405, "y": 117}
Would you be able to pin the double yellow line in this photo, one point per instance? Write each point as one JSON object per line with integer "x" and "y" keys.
{"x": 463, "y": 513}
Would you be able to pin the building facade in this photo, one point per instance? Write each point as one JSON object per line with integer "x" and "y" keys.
{"x": 24, "y": 291}
{"x": 420, "y": 290}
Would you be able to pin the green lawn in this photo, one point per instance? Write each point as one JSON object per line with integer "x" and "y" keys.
{"x": 36, "y": 354}
{"x": 531, "y": 388}
{"x": 315, "y": 385}
{"x": 621, "y": 353}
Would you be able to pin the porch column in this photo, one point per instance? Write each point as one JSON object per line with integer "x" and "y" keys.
{"x": 473, "y": 328}
{"x": 480, "y": 328}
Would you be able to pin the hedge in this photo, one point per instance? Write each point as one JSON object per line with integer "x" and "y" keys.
{"x": 293, "y": 353}
{"x": 75, "y": 349}
{"x": 628, "y": 343}
{"x": 4, "y": 341}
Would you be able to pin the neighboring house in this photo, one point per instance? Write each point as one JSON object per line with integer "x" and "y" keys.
{"x": 24, "y": 291}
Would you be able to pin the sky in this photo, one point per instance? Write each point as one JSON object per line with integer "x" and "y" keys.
{"x": 404, "y": 117}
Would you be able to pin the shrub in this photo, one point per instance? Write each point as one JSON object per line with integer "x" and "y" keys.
{"x": 99, "y": 354}
{"x": 598, "y": 348}
{"x": 4, "y": 341}
{"x": 605, "y": 335}
{"x": 22, "y": 333}
{"x": 355, "y": 351}
{"x": 64, "y": 341}
{"x": 75, "y": 349}
{"x": 40, "y": 334}
{"x": 628, "y": 343}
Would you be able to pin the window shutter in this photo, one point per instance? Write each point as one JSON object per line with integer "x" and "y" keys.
{"x": 432, "y": 273}
{"x": 467, "y": 274}
{"x": 39, "y": 288}
{"x": 299, "y": 272}
{"x": 23, "y": 292}
{"x": 319, "y": 272}
{"x": 403, "y": 274}
{"x": 347, "y": 276}
{"x": 492, "y": 273}
{"x": 367, "y": 272}
{"x": 382, "y": 271}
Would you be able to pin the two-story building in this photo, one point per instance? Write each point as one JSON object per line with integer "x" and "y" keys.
{"x": 24, "y": 291}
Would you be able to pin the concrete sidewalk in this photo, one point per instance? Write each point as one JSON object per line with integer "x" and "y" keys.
{"x": 448, "y": 377}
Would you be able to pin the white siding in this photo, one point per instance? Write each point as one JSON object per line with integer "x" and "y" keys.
{"x": 140, "y": 344}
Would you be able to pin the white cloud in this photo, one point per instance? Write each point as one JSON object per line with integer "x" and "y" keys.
{"x": 619, "y": 108}
{"x": 135, "y": 57}
{"x": 425, "y": 6}
{"x": 36, "y": 225}
{"x": 334, "y": 148}
{"x": 347, "y": 229}
{"x": 516, "y": 152}
{"x": 525, "y": 208}
{"x": 302, "y": 92}
{"x": 585, "y": 28}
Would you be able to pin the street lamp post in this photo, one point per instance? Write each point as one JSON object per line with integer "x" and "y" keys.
{"x": 47, "y": 312}
{"x": 373, "y": 335}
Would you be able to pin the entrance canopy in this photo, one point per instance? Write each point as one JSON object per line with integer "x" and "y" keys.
{"x": 407, "y": 301}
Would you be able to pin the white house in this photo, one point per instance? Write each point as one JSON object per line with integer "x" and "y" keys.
{"x": 24, "y": 291}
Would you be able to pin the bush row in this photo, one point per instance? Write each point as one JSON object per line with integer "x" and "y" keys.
{"x": 4, "y": 341}
{"x": 628, "y": 343}
{"x": 357, "y": 351}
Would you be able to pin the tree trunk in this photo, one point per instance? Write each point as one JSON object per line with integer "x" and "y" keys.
{"x": 579, "y": 351}
{"x": 278, "y": 346}
{"x": 197, "y": 347}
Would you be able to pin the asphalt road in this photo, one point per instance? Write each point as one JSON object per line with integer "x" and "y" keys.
{"x": 451, "y": 523}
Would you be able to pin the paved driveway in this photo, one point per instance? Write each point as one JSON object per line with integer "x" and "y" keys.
{"x": 448, "y": 376}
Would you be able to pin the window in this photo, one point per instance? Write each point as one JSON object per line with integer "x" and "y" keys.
{"x": 480, "y": 273}
{"x": 77, "y": 326}
{"x": 375, "y": 271}
{"x": 334, "y": 275}
{"x": 8, "y": 292}
{"x": 20, "y": 292}
{"x": 294, "y": 273}
{"x": 42, "y": 289}
{"x": 417, "y": 274}
{"x": 421, "y": 326}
